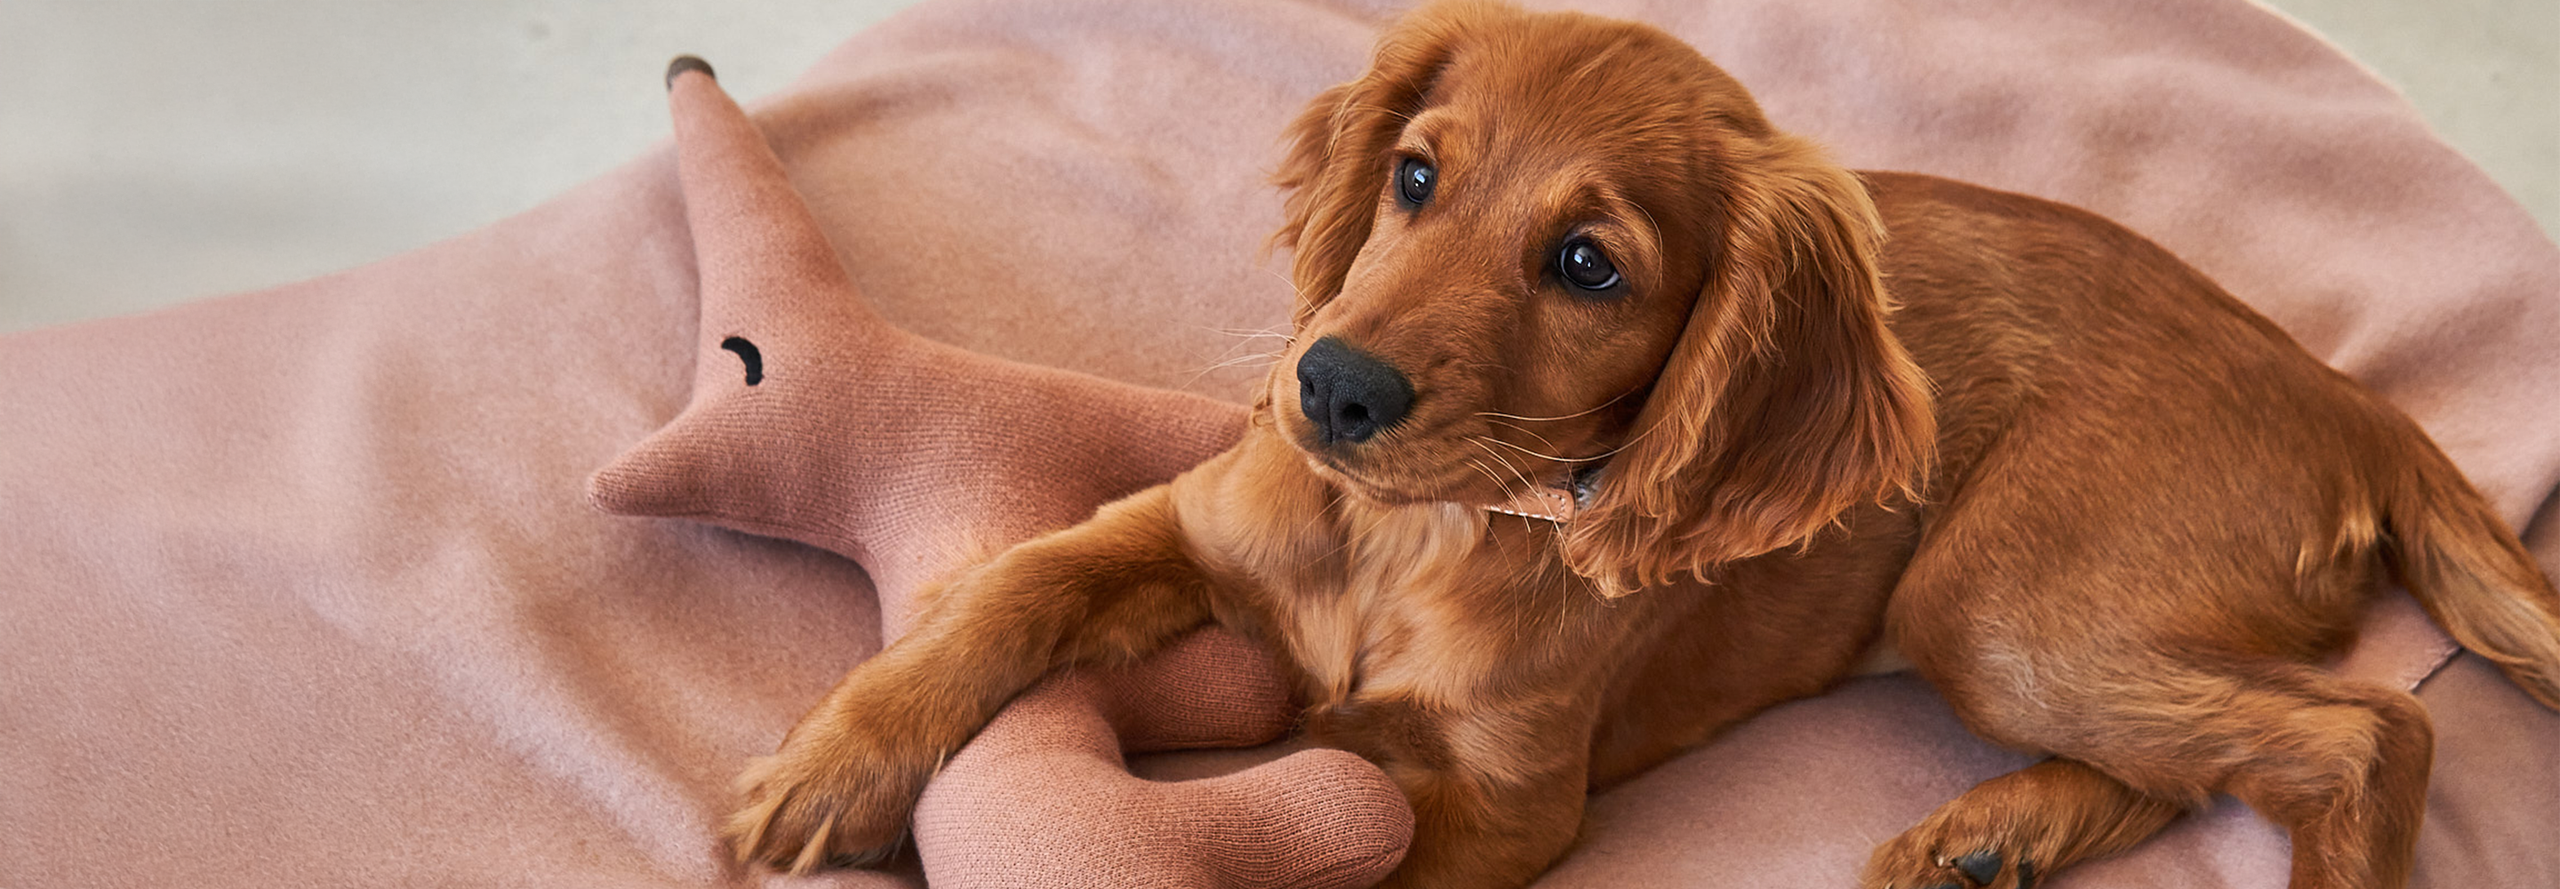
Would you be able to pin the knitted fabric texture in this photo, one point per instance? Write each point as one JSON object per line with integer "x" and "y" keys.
{"x": 1043, "y": 797}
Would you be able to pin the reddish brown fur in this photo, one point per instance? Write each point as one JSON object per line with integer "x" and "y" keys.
{"x": 2107, "y": 510}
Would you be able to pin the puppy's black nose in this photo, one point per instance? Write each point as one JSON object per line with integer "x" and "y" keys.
{"x": 1348, "y": 394}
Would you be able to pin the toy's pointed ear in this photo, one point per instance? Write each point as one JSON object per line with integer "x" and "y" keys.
{"x": 1336, "y": 166}
{"x": 1787, "y": 400}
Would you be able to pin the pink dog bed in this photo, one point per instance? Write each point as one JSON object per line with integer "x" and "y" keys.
{"x": 304, "y": 586}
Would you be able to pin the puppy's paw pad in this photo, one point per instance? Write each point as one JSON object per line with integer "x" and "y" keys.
{"x": 1982, "y": 867}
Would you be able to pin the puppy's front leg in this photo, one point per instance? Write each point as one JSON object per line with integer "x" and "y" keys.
{"x": 842, "y": 787}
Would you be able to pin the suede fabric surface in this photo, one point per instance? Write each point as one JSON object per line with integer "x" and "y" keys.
{"x": 302, "y": 586}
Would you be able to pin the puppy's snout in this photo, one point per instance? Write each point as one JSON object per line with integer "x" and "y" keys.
{"x": 1348, "y": 394}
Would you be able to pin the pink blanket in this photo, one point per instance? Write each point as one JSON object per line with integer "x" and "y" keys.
{"x": 301, "y": 586}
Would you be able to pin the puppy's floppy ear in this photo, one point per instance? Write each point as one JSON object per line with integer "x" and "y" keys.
{"x": 1336, "y": 167}
{"x": 1786, "y": 401}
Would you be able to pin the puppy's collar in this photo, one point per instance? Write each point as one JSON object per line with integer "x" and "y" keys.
{"x": 1556, "y": 504}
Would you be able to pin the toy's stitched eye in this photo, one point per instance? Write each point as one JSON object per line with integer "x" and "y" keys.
{"x": 1585, "y": 266}
{"x": 747, "y": 353}
{"x": 1414, "y": 181}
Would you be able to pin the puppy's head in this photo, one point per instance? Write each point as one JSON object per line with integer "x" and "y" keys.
{"x": 1552, "y": 250}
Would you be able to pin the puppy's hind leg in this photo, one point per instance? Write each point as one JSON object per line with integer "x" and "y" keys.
{"x": 2340, "y": 765}
{"x": 2344, "y": 769}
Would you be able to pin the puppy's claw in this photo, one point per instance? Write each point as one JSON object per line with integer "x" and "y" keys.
{"x": 746, "y": 828}
{"x": 804, "y": 811}
{"x": 814, "y": 853}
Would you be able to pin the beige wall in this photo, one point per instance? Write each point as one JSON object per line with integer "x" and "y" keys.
{"x": 153, "y": 151}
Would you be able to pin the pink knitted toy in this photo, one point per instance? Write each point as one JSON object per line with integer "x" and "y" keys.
{"x": 815, "y": 420}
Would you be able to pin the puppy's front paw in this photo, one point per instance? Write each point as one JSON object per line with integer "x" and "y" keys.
{"x": 835, "y": 798}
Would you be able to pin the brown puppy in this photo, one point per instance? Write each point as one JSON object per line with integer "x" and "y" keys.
{"x": 1564, "y": 263}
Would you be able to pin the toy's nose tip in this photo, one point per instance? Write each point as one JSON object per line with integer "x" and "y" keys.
{"x": 682, "y": 64}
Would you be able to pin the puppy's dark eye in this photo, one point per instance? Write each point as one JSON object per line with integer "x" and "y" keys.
{"x": 1585, "y": 266}
{"x": 1414, "y": 180}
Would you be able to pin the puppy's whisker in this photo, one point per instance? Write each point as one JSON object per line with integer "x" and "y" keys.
{"x": 1294, "y": 289}
{"x": 1650, "y": 223}
{"x": 1498, "y": 483}
{"x": 1239, "y": 361}
{"x": 1230, "y": 358}
{"x": 1603, "y": 455}
{"x": 1553, "y": 457}
{"x": 1630, "y": 442}
{"x": 1244, "y": 360}
{"x": 1585, "y": 412}
{"x": 1525, "y": 483}
{"x": 1532, "y": 433}
{"x": 1247, "y": 336}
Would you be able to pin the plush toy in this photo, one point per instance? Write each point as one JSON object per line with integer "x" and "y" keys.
{"x": 815, "y": 420}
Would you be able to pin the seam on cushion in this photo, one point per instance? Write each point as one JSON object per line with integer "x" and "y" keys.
{"x": 2445, "y": 652}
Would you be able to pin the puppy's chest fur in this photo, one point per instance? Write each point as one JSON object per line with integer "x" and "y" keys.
{"x": 1435, "y": 604}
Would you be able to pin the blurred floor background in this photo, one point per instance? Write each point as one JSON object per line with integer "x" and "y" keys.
{"x": 153, "y": 151}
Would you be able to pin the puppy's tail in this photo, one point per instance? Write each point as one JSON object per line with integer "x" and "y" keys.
{"x": 2453, "y": 552}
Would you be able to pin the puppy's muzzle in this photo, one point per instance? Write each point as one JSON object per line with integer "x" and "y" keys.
{"x": 1348, "y": 394}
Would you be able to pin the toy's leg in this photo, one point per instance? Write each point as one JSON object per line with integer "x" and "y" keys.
{"x": 1111, "y": 590}
{"x": 1018, "y": 806}
{"x": 1497, "y": 793}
